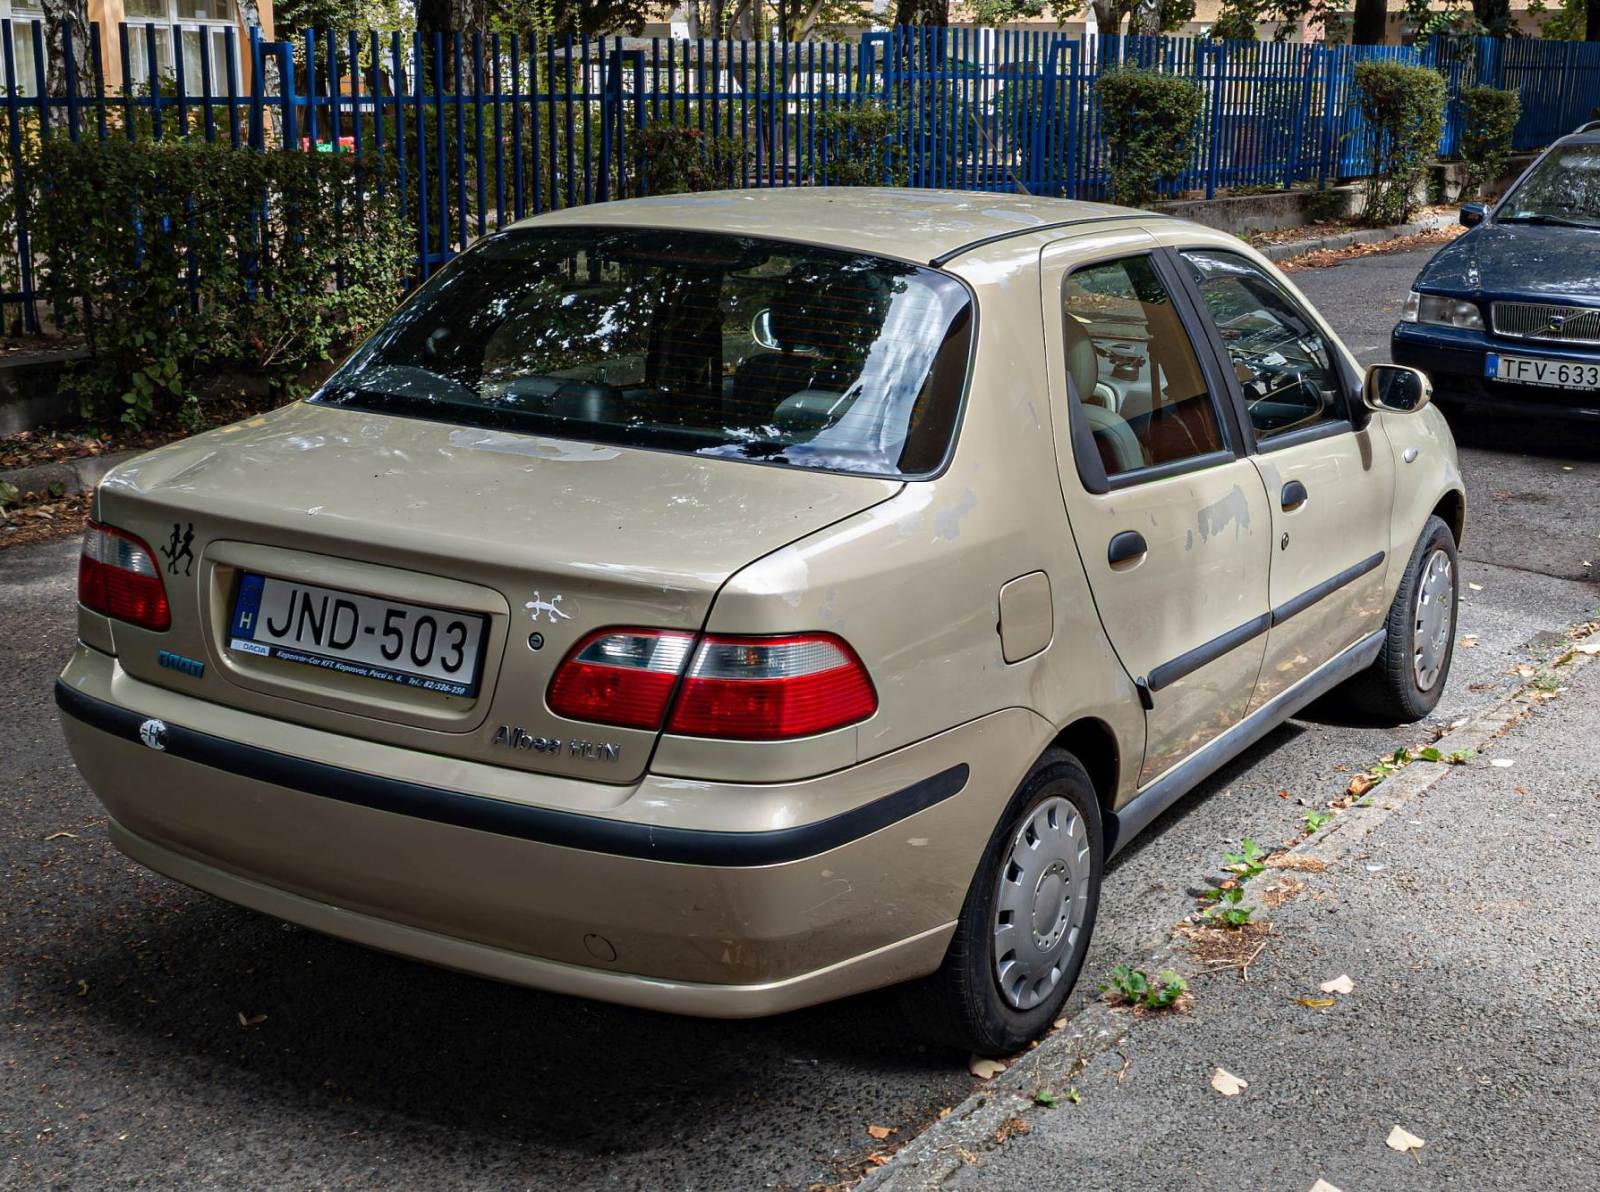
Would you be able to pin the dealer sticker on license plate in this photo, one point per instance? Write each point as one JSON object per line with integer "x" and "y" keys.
{"x": 1553, "y": 374}
{"x": 375, "y": 638}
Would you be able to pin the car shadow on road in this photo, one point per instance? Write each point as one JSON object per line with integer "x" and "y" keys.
{"x": 1524, "y": 436}
{"x": 178, "y": 984}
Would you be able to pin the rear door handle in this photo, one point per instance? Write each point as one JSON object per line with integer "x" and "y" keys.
{"x": 1293, "y": 496}
{"x": 1126, "y": 547}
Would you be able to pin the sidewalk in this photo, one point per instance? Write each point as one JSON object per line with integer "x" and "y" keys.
{"x": 1466, "y": 920}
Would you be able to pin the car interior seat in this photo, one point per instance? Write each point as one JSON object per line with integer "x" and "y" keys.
{"x": 1118, "y": 445}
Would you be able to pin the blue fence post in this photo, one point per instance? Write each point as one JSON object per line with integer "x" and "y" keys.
{"x": 258, "y": 132}
{"x": 1219, "y": 61}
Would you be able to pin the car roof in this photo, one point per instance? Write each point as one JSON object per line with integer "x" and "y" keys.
{"x": 913, "y": 225}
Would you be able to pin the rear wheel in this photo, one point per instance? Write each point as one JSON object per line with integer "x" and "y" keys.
{"x": 1408, "y": 677}
{"x": 1024, "y": 929}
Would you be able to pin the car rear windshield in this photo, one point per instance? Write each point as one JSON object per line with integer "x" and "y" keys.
{"x": 712, "y": 344}
{"x": 1563, "y": 188}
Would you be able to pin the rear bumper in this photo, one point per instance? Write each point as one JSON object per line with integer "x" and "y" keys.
{"x": 854, "y": 882}
{"x": 1454, "y": 361}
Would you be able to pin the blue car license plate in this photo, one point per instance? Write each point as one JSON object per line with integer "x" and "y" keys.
{"x": 1553, "y": 374}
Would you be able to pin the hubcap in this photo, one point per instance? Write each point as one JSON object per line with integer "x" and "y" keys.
{"x": 1040, "y": 901}
{"x": 1431, "y": 622}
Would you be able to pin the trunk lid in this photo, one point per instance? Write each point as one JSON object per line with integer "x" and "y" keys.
{"x": 533, "y": 535}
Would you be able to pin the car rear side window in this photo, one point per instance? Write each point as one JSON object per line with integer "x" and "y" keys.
{"x": 1282, "y": 361}
{"x": 1133, "y": 369}
{"x": 698, "y": 342}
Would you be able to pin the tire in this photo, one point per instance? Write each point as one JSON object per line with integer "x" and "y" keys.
{"x": 964, "y": 1005}
{"x": 1406, "y": 680}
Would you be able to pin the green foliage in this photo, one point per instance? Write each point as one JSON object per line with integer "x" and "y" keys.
{"x": 681, "y": 157}
{"x": 1318, "y": 820}
{"x": 1235, "y": 22}
{"x": 180, "y": 259}
{"x": 1489, "y": 118}
{"x": 1133, "y": 987}
{"x": 859, "y": 145}
{"x": 1149, "y": 120}
{"x": 1324, "y": 206}
{"x": 1405, "y": 107}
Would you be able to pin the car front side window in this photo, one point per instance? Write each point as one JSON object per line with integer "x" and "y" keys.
{"x": 1133, "y": 369}
{"x": 1283, "y": 362}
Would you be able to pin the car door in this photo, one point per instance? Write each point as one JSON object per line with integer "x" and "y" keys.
{"x": 1325, "y": 465}
{"x": 1169, "y": 517}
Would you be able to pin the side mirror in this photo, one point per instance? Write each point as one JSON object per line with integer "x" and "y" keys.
{"x": 1396, "y": 388}
{"x": 1473, "y": 214}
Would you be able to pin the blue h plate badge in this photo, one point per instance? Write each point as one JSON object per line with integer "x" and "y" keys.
{"x": 1491, "y": 364}
{"x": 246, "y": 612}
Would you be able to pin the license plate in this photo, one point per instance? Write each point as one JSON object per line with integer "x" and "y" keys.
{"x": 1553, "y": 374}
{"x": 432, "y": 648}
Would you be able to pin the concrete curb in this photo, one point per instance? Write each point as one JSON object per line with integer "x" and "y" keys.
{"x": 73, "y": 475}
{"x": 1298, "y": 248}
{"x": 930, "y": 1159}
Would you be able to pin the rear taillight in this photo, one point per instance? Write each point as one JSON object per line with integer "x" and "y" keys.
{"x": 621, "y": 676}
{"x": 772, "y": 688}
{"x": 118, "y": 576}
{"x": 736, "y": 688}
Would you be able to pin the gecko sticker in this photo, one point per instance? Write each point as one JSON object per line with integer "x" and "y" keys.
{"x": 551, "y": 608}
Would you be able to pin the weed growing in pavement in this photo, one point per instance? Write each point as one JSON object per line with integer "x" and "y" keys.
{"x": 1133, "y": 987}
{"x": 1317, "y": 820}
{"x": 1228, "y": 908}
{"x": 1456, "y": 757}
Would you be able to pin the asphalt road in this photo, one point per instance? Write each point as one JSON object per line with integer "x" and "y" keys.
{"x": 124, "y": 1058}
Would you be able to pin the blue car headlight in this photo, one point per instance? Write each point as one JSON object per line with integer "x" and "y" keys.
{"x": 1446, "y": 312}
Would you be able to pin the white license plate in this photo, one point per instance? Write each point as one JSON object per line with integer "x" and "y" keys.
{"x": 431, "y": 648}
{"x": 1553, "y": 374}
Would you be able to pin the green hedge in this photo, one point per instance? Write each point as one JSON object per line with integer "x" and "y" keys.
{"x": 179, "y": 259}
{"x": 1489, "y": 117}
{"x": 1405, "y": 107}
{"x": 1149, "y": 120}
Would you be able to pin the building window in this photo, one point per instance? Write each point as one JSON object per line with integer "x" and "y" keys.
{"x": 22, "y": 14}
{"x": 212, "y": 22}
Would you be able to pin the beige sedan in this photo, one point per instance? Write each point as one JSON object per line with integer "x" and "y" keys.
{"x": 723, "y": 603}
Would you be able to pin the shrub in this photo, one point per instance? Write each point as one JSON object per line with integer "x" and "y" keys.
{"x": 1405, "y": 107}
{"x": 178, "y": 259}
{"x": 1149, "y": 120}
{"x": 1489, "y": 117}
{"x": 680, "y": 157}
{"x": 859, "y": 145}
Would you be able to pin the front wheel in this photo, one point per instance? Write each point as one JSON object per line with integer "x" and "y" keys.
{"x": 1407, "y": 679}
{"x": 1024, "y": 929}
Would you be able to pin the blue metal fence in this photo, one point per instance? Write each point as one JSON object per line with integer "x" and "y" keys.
{"x": 481, "y": 131}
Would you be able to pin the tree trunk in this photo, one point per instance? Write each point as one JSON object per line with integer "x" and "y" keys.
{"x": 58, "y": 14}
{"x": 922, "y": 12}
{"x": 1145, "y": 20}
{"x": 250, "y": 15}
{"x": 1108, "y": 17}
{"x": 1371, "y": 23}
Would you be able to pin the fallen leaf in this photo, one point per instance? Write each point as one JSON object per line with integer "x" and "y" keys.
{"x": 1323, "y": 1186}
{"x": 985, "y": 1069}
{"x": 1227, "y": 1083}
{"x": 1340, "y": 984}
{"x": 1402, "y": 1141}
{"x": 1059, "y": 1023}
{"x": 1360, "y": 785}
{"x": 945, "y": 1112}
{"x": 251, "y": 1019}
{"x": 1317, "y": 1003}
{"x": 1469, "y": 641}
{"x": 880, "y": 1132}
{"x": 62, "y": 836}
{"x": 877, "y": 1160}
{"x": 83, "y": 987}
{"x": 1011, "y": 1129}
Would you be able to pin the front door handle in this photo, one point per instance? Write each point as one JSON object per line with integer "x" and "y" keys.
{"x": 1293, "y": 496}
{"x": 1126, "y": 547}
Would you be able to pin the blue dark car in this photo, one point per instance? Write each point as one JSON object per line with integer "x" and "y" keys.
{"x": 1507, "y": 317}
